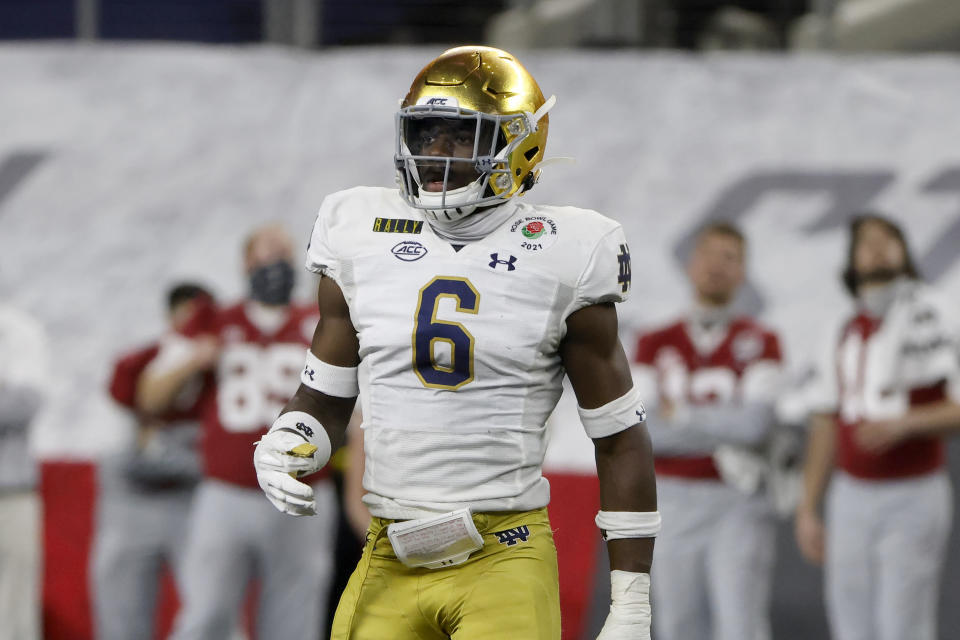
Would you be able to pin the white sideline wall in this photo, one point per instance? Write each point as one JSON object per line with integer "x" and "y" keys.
{"x": 156, "y": 160}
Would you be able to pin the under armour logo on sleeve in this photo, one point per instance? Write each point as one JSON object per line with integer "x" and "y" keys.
{"x": 307, "y": 371}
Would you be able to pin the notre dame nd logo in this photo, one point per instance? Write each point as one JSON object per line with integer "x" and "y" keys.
{"x": 623, "y": 278}
{"x": 512, "y": 537}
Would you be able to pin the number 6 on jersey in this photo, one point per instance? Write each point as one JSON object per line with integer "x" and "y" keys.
{"x": 433, "y": 370}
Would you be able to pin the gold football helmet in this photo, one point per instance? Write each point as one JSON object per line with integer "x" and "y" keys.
{"x": 482, "y": 98}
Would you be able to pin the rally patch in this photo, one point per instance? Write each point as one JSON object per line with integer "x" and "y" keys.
{"x": 397, "y": 225}
{"x": 534, "y": 233}
{"x": 513, "y": 537}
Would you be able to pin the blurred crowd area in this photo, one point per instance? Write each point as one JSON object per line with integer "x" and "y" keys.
{"x": 896, "y": 25}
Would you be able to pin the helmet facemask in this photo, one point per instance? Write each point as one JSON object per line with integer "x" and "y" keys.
{"x": 478, "y": 174}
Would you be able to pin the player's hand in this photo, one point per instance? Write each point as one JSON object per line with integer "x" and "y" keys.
{"x": 629, "y": 617}
{"x": 877, "y": 436}
{"x": 275, "y": 464}
{"x": 206, "y": 352}
{"x": 810, "y": 534}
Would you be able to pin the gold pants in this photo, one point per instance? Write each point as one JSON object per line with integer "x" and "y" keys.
{"x": 506, "y": 589}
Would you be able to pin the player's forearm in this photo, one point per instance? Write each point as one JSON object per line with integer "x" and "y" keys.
{"x": 746, "y": 425}
{"x": 934, "y": 419}
{"x": 330, "y": 411}
{"x": 627, "y": 483}
{"x": 818, "y": 462}
{"x": 156, "y": 391}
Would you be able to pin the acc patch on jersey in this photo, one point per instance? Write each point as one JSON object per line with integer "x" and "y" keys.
{"x": 535, "y": 233}
{"x": 408, "y": 250}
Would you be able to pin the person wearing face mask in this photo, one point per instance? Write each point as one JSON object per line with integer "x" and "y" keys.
{"x": 711, "y": 379}
{"x": 887, "y": 394}
{"x": 234, "y": 534}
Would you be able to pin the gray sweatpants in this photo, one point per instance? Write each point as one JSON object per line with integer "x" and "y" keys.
{"x": 712, "y": 563}
{"x": 236, "y": 534}
{"x": 886, "y": 544}
{"x": 19, "y": 566}
{"x": 138, "y": 534}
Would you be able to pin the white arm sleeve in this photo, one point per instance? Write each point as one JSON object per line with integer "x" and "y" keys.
{"x": 745, "y": 425}
{"x": 749, "y": 422}
{"x": 673, "y": 440}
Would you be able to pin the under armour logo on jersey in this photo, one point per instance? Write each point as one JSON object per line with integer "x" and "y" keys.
{"x": 495, "y": 260}
{"x": 624, "y": 259}
{"x": 307, "y": 371}
{"x": 307, "y": 431}
{"x": 512, "y": 537}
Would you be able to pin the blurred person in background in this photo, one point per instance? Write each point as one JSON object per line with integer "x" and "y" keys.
{"x": 711, "y": 378}
{"x": 145, "y": 494}
{"x": 23, "y": 375}
{"x": 235, "y": 534}
{"x": 888, "y": 393}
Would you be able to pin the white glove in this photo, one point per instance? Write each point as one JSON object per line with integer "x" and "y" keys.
{"x": 629, "y": 617}
{"x": 274, "y": 467}
{"x": 278, "y": 465}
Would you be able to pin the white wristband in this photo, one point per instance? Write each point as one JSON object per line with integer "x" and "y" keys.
{"x": 329, "y": 379}
{"x": 616, "y": 525}
{"x": 308, "y": 428}
{"x": 630, "y": 597}
{"x": 615, "y": 416}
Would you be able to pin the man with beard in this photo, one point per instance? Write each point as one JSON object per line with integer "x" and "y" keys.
{"x": 711, "y": 378}
{"x": 889, "y": 393}
{"x": 235, "y": 535}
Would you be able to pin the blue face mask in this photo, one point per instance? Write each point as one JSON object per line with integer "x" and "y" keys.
{"x": 272, "y": 283}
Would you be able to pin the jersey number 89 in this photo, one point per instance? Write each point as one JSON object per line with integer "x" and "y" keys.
{"x": 254, "y": 382}
{"x": 434, "y": 370}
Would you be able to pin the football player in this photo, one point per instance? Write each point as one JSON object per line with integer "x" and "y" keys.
{"x": 144, "y": 495}
{"x": 453, "y": 308}
{"x": 234, "y": 535}
{"x": 890, "y": 391}
{"x": 712, "y": 379}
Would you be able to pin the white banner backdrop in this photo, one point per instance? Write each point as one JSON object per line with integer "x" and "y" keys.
{"x": 124, "y": 168}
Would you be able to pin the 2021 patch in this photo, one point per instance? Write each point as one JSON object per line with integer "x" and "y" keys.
{"x": 534, "y": 233}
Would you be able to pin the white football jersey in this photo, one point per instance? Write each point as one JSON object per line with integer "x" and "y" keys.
{"x": 459, "y": 349}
